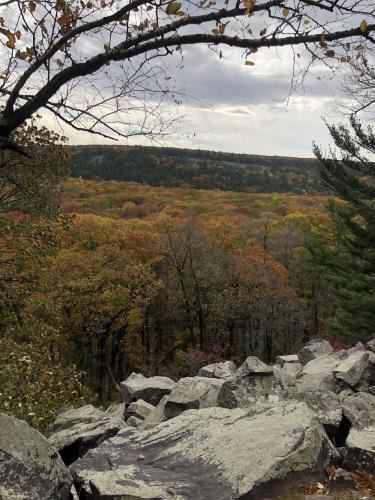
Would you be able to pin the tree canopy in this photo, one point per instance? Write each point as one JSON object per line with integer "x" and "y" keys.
{"x": 98, "y": 66}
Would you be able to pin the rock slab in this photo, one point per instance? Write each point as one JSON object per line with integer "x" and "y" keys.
{"x": 210, "y": 454}
{"x": 150, "y": 389}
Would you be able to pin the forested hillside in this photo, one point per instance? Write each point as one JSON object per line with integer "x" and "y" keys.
{"x": 172, "y": 167}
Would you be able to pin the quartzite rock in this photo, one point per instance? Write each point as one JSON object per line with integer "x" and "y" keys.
{"x": 360, "y": 451}
{"x": 210, "y": 454}
{"x": 314, "y": 349}
{"x": 84, "y": 433}
{"x": 371, "y": 345}
{"x": 318, "y": 374}
{"x": 73, "y": 416}
{"x": 359, "y": 409}
{"x": 140, "y": 409}
{"x": 224, "y": 370}
{"x": 150, "y": 389}
{"x": 192, "y": 393}
{"x": 156, "y": 417}
{"x": 30, "y": 468}
{"x": 252, "y": 382}
{"x": 290, "y": 358}
{"x": 351, "y": 369}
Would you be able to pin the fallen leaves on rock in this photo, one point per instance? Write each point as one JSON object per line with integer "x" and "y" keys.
{"x": 364, "y": 482}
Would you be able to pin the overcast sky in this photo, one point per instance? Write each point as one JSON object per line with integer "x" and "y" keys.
{"x": 244, "y": 109}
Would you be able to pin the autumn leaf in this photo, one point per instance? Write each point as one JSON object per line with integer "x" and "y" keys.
{"x": 173, "y": 7}
{"x": 330, "y": 53}
{"x": 11, "y": 43}
{"x": 263, "y": 32}
{"x": 32, "y": 6}
{"x": 285, "y": 12}
{"x": 249, "y": 63}
{"x": 249, "y": 4}
{"x": 363, "y": 26}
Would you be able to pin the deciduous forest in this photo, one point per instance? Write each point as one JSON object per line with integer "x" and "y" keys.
{"x": 105, "y": 277}
{"x": 162, "y": 260}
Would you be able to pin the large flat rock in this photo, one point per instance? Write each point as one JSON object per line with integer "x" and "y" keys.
{"x": 30, "y": 468}
{"x": 150, "y": 389}
{"x": 210, "y": 454}
{"x": 87, "y": 429}
{"x": 193, "y": 393}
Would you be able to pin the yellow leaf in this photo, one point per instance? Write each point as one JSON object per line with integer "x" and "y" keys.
{"x": 173, "y": 7}
{"x": 285, "y": 12}
{"x": 249, "y": 63}
{"x": 363, "y": 26}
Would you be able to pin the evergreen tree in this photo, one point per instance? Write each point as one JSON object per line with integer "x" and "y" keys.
{"x": 348, "y": 255}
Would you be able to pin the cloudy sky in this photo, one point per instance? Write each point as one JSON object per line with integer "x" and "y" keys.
{"x": 245, "y": 109}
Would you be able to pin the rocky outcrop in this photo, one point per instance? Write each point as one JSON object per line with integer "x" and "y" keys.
{"x": 252, "y": 381}
{"x": 224, "y": 370}
{"x": 192, "y": 393}
{"x": 70, "y": 417}
{"x": 140, "y": 409}
{"x": 150, "y": 389}
{"x": 80, "y": 429}
{"x": 233, "y": 434}
{"x": 359, "y": 409}
{"x": 30, "y": 468}
{"x": 157, "y": 416}
{"x": 319, "y": 373}
{"x": 360, "y": 449}
{"x": 206, "y": 455}
{"x": 351, "y": 369}
{"x": 314, "y": 349}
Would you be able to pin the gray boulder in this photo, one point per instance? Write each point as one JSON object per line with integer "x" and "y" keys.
{"x": 30, "y": 468}
{"x": 224, "y": 370}
{"x": 318, "y": 374}
{"x": 326, "y": 405}
{"x": 211, "y": 454}
{"x": 345, "y": 394}
{"x": 74, "y": 416}
{"x": 290, "y": 358}
{"x": 359, "y": 409}
{"x": 367, "y": 379}
{"x": 88, "y": 429}
{"x": 150, "y": 389}
{"x": 192, "y": 393}
{"x": 116, "y": 410}
{"x": 359, "y": 347}
{"x": 140, "y": 409}
{"x": 134, "y": 422}
{"x": 292, "y": 369}
{"x": 252, "y": 382}
{"x": 371, "y": 345}
{"x": 314, "y": 349}
{"x": 253, "y": 366}
{"x": 351, "y": 369}
{"x": 360, "y": 450}
{"x": 156, "y": 416}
